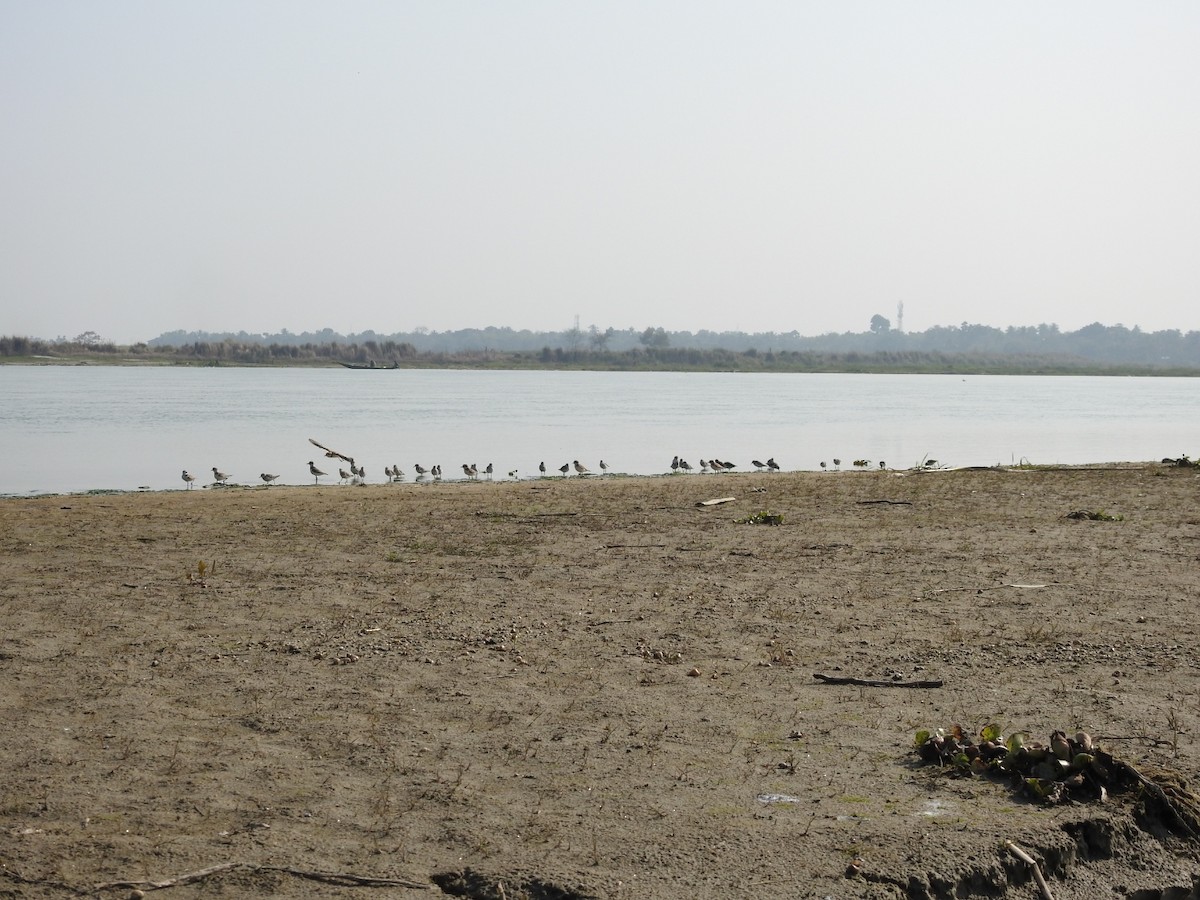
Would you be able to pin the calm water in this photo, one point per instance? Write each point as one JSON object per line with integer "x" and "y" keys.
{"x": 80, "y": 428}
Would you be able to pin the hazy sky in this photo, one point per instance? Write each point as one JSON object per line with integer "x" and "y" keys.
{"x": 693, "y": 165}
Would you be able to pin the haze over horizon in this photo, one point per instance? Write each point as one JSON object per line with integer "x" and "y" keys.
{"x": 764, "y": 166}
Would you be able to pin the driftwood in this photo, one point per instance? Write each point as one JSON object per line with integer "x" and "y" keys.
{"x": 868, "y": 682}
{"x": 885, "y": 502}
{"x": 716, "y": 502}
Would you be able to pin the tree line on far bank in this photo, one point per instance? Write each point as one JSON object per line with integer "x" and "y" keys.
{"x": 966, "y": 348}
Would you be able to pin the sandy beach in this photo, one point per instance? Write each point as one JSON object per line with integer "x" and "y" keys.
{"x": 593, "y": 687}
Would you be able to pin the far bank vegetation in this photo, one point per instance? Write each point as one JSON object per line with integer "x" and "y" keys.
{"x": 965, "y": 349}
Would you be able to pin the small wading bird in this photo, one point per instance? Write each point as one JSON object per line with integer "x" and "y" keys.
{"x": 581, "y": 468}
{"x": 488, "y": 471}
{"x": 345, "y": 476}
{"x": 219, "y": 477}
{"x": 542, "y": 467}
{"x": 675, "y": 464}
{"x": 759, "y": 466}
{"x": 466, "y": 470}
{"x": 704, "y": 466}
{"x": 420, "y": 470}
{"x": 437, "y": 472}
{"x": 314, "y": 471}
{"x": 565, "y": 468}
{"x": 397, "y": 473}
{"x": 603, "y": 467}
{"x": 188, "y": 479}
{"x": 774, "y": 466}
{"x": 685, "y": 465}
{"x": 267, "y": 478}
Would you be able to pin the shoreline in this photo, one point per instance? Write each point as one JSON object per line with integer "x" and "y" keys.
{"x": 1127, "y": 465}
{"x": 963, "y": 367}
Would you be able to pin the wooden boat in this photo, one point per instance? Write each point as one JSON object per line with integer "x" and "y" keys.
{"x": 370, "y": 365}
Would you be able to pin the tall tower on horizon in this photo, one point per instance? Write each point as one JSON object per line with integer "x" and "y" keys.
{"x": 900, "y": 316}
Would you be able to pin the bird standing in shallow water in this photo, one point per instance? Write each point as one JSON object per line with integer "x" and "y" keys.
{"x": 188, "y": 479}
{"x": 267, "y": 478}
{"x": 314, "y": 471}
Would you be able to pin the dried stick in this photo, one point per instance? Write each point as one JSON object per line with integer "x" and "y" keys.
{"x": 1033, "y": 864}
{"x": 168, "y": 882}
{"x": 339, "y": 878}
{"x": 867, "y": 682}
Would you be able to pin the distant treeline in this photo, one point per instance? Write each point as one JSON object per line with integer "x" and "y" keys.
{"x": 961, "y": 349}
{"x": 1106, "y": 344}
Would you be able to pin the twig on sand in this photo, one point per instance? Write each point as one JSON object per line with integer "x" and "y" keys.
{"x": 885, "y": 502}
{"x": 867, "y": 682}
{"x": 339, "y": 878}
{"x": 988, "y": 587}
{"x": 1033, "y": 865}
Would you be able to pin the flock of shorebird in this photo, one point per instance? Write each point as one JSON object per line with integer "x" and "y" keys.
{"x": 358, "y": 475}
